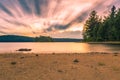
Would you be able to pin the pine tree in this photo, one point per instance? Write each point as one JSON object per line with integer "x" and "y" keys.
{"x": 117, "y": 24}
{"x": 112, "y": 28}
{"x": 107, "y": 29}
{"x": 91, "y": 27}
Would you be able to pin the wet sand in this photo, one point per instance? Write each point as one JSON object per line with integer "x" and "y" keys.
{"x": 92, "y": 66}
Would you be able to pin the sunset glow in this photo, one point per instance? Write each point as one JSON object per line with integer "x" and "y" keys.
{"x": 55, "y": 18}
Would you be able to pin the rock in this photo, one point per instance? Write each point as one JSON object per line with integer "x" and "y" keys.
{"x": 24, "y": 49}
{"x": 76, "y": 61}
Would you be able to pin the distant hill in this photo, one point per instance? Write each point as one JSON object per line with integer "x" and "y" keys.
{"x": 16, "y": 38}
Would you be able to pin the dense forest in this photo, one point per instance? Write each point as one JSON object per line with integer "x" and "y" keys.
{"x": 103, "y": 29}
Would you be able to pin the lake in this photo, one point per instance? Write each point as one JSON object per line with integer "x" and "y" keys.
{"x": 61, "y": 47}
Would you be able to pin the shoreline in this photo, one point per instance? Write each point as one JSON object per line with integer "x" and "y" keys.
{"x": 89, "y": 66}
{"x": 108, "y": 42}
{"x": 53, "y": 53}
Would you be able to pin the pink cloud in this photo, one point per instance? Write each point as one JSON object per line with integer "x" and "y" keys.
{"x": 25, "y": 13}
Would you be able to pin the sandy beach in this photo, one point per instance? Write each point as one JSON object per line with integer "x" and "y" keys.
{"x": 92, "y": 66}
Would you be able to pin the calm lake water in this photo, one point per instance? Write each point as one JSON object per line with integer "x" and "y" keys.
{"x": 71, "y": 47}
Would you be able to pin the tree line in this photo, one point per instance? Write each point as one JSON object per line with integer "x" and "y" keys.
{"x": 17, "y": 38}
{"x": 103, "y": 29}
{"x": 43, "y": 39}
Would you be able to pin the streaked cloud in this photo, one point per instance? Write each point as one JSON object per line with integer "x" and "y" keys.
{"x": 56, "y": 18}
{"x": 3, "y": 8}
{"x": 25, "y": 6}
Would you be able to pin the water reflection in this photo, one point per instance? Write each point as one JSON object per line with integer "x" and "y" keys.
{"x": 59, "y": 47}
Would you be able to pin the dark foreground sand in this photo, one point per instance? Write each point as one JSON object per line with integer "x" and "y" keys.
{"x": 95, "y": 66}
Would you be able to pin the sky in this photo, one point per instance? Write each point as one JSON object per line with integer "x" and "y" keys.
{"x": 55, "y": 18}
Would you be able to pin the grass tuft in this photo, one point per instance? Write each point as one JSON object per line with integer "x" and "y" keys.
{"x": 101, "y": 64}
{"x": 22, "y": 57}
{"x": 60, "y": 71}
{"x": 115, "y": 55}
{"x": 116, "y": 68}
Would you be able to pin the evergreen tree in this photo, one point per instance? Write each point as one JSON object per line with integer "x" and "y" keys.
{"x": 112, "y": 29}
{"x": 91, "y": 27}
{"x": 117, "y": 25}
{"x": 107, "y": 30}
